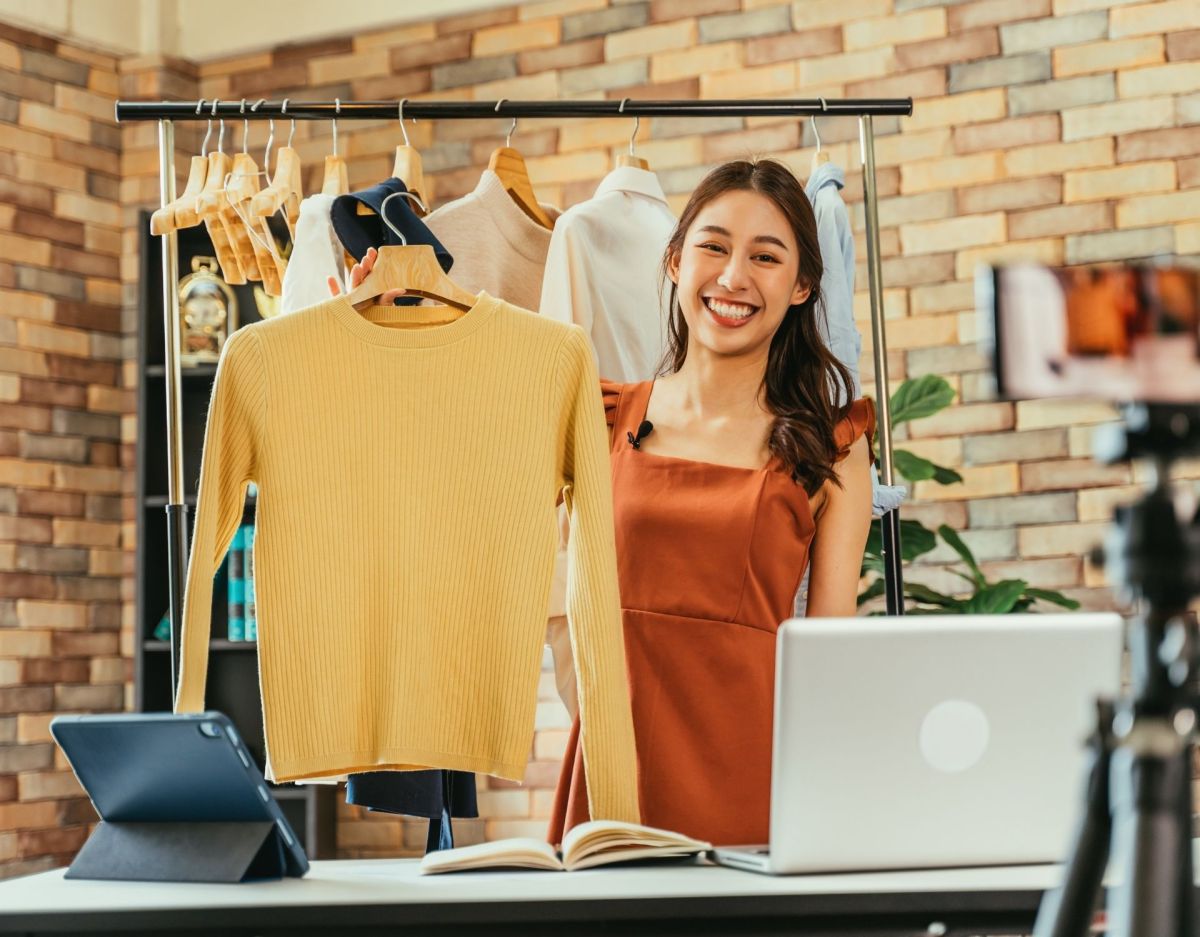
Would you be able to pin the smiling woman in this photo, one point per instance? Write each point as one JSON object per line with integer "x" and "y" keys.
{"x": 731, "y": 473}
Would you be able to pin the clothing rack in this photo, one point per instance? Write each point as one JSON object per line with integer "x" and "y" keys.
{"x": 168, "y": 112}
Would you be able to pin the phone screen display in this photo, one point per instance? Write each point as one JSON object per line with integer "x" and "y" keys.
{"x": 1119, "y": 333}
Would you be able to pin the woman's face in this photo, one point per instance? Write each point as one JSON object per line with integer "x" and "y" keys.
{"x": 736, "y": 273}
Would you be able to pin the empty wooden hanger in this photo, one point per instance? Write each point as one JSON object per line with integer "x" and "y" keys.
{"x": 181, "y": 213}
{"x": 629, "y": 159}
{"x": 407, "y": 168}
{"x": 509, "y": 165}
{"x": 819, "y": 156}
{"x": 242, "y": 188}
{"x": 413, "y": 268}
{"x": 240, "y": 185}
{"x": 337, "y": 180}
{"x": 209, "y": 205}
{"x": 286, "y": 187}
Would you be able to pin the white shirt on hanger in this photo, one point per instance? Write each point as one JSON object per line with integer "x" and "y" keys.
{"x": 316, "y": 256}
{"x": 603, "y": 272}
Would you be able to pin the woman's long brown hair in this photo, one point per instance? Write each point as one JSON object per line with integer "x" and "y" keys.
{"x": 804, "y": 382}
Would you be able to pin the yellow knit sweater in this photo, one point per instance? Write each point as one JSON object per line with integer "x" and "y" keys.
{"x": 407, "y": 478}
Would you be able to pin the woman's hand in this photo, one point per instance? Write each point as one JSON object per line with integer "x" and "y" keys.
{"x": 358, "y": 273}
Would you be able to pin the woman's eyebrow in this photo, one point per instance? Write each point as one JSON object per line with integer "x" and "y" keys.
{"x": 762, "y": 238}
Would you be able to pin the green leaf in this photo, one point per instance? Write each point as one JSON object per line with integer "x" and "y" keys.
{"x": 923, "y": 593}
{"x": 946, "y": 476}
{"x": 874, "y": 590}
{"x": 920, "y": 397}
{"x": 913, "y": 467}
{"x": 1048, "y": 595}
{"x": 997, "y": 599}
{"x": 915, "y": 540}
{"x": 956, "y": 544}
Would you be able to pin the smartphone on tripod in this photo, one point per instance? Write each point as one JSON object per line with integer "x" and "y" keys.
{"x": 1130, "y": 335}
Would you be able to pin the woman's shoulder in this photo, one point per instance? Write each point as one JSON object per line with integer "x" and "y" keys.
{"x": 857, "y": 420}
{"x": 614, "y": 394}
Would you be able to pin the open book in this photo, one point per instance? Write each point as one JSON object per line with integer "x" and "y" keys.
{"x": 597, "y": 842}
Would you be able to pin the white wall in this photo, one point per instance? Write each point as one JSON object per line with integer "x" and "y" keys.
{"x": 208, "y": 29}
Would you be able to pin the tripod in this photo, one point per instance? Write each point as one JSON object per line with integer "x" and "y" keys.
{"x": 1138, "y": 806}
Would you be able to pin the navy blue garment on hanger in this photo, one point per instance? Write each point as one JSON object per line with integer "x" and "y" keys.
{"x": 358, "y": 233}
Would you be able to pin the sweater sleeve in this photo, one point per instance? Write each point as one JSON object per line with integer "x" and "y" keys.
{"x": 232, "y": 444}
{"x": 593, "y": 602}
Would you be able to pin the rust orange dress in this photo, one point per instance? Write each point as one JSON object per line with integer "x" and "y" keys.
{"x": 709, "y": 559}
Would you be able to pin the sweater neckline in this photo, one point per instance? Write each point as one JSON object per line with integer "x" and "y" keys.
{"x": 426, "y": 336}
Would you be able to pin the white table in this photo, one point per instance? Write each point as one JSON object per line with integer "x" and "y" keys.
{"x": 390, "y": 896}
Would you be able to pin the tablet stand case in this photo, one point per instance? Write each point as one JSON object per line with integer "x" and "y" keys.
{"x": 181, "y": 852}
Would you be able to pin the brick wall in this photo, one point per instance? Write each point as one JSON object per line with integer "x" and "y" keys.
{"x": 1061, "y": 130}
{"x": 65, "y": 453}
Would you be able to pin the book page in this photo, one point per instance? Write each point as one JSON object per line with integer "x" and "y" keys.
{"x": 601, "y": 841}
{"x": 502, "y": 854}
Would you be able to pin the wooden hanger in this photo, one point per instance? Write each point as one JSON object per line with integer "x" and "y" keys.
{"x": 629, "y": 159}
{"x": 407, "y": 168}
{"x": 181, "y": 213}
{"x": 819, "y": 156}
{"x": 208, "y": 207}
{"x": 509, "y": 165}
{"x": 240, "y": 186}
{"x": 413, "y": 268}
{"x": 337, "y": 179}
{"x": 286, "y": 188}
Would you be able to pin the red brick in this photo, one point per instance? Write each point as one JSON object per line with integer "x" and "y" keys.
{"x": 1183, "y": 46}
{"x": 683, "y": 88}
{"x": 56, "y": 393}
{"x": 88, "y": 316}
{"x": 39, "y": 842}
{"x": 84, "y": 644}
{"x": 89, "y": 157}
{"x": 992, "y": 12}
{"x": 301, "y": 53}
{"x": 1003, "y": 134}
{"x": 55, "y": 671}
{"x": 25, "y": 700}
{"x": 1156, "y": 144}
{"x": 8, "y": 788}
{"x": 964, "y": 47}
{"x": 50, "y": 503}
{"x": 15, "y": 416}
{"x": 86, "y": 263}
{"x": 792, "y": 46}
{"x": 26, "y": 195}
{"x": 73, "y": 812}
{"x": 438, "y": 52}
{"x": 411, "y": 82}
{"x": 26, "y": 586}
{"x": 268, "y": 81}
{"x": 469, "y": 22}
{"x": 24, "y": 37}
{"x": 67, "y": 367}
{"x": 45, "y": 227}
{"x": 678, "y": 9}
{"x": 1189, "y": 172}
{"x": 569, "y": 55}
{"x": 105, "y": 453}
{"x": 925, "y": 83}
{"x": 1071, "y": 474}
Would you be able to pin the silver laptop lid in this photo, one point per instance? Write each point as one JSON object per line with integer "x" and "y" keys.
{"x": 942, "y": 740}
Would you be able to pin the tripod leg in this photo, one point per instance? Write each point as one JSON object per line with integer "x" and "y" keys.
{"x": 1067, "y": 911}
{"x": 1148, "y": 837}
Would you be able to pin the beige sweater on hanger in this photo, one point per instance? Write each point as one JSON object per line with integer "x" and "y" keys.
{"x": 407, "y": 480}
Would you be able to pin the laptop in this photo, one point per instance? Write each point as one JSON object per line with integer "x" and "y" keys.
{"x": 931, "y": 741}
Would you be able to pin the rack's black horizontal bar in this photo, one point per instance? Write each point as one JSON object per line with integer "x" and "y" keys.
{"x": 452, "y": 110}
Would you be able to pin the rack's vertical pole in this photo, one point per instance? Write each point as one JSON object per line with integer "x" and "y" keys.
{"x": 890, "y": 523}
{"x": 176, "y": 510}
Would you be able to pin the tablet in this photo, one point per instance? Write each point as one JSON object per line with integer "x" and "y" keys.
{"x": 169, "y": 768}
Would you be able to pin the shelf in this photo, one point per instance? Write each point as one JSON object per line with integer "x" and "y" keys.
{"x": 216, "y": 644}
{"x": 195, "y": 372}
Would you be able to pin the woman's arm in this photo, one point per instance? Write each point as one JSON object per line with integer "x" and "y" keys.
{"x": 843, "y": 521}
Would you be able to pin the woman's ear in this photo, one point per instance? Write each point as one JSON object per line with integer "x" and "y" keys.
{"x": 800, "y": 293}
{"x": 673, "y": 267}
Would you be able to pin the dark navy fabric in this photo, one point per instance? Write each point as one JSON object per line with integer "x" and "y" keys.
{"x": 435, "y": 795}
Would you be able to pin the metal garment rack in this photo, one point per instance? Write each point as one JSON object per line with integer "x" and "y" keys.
{"x": 168, "y": 112}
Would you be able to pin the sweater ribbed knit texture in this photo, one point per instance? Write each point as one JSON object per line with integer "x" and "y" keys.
{"x": 407, "y": 478}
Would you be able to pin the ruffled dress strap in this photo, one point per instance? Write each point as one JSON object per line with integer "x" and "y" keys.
{"x": 624, "y": 407}
{"x": 858, "y": 421}
{"x": 611, "y": 392}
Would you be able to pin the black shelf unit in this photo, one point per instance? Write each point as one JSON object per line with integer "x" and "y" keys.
{"x": 233, "y": 665}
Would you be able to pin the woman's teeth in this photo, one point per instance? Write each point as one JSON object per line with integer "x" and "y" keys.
{"x": 730, "y": 310}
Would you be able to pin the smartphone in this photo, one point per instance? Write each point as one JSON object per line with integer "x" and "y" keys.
{"x": 1118, "y": 332}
